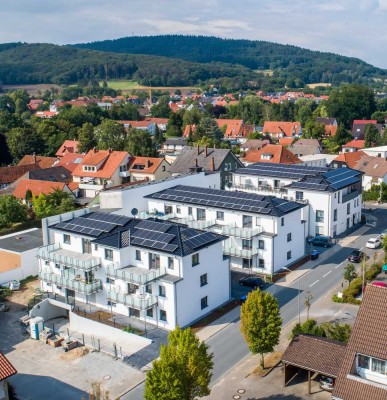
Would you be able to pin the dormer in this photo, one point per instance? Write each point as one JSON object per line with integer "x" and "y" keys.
{"x": 89, "y": 168}
{"x": 266, "y": 156}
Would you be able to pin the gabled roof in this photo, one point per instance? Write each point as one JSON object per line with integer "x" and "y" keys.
{"x": 36, "y": 187}
{"x": 280, "y": 127}
{"x": 14, "y": 172}
{"x": 53, "y": 174}
{"x": 233, "y": 127}
{"x": 187, "y": 130}
{"x": 368, "y": 337}
{"x": 6, "y": 368}
{"x": 285, "y": 141}
{"x": 145, "y": 165}
{"x": 176, "y": 141}
{"x": 357, "y": 144}
{"x": 111, "y": 160}
{"x": 372, "y": 166}
{"x": 254, "y": 144}
{"x": 277, "y": 154}
{"x": 209, "y": 159}
{"x": 326, "y": 121}
{"x": 68, "y": 146}
{"x": 70, "y": 161}
{"x": 330, "y": 130}
{"x": 42, "y": 161}
{"x": 350, "y": 158}
{"x": 364, "y": 121}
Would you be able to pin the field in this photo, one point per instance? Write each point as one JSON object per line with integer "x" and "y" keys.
{"x": 315, "y": 85}
{"x": 266, "y": 72}
{"x": 32, "y": 90}
{"x": 127, "y": 86}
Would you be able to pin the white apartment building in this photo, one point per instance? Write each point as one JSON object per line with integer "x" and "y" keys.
{"x": 333, "y": 197}
{"x": 158, "y": 271}
{"x": 265, "y": 233}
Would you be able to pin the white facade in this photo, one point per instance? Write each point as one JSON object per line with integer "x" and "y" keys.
{"x": 380, "y": 151}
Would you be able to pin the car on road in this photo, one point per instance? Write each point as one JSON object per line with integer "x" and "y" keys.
{"x": 251, "y": 281}
{"x": 323, "y": 241}
{"x": 383, "y": 234}
{"x": 356, "y": 256}
{"x": 373, "y": 243}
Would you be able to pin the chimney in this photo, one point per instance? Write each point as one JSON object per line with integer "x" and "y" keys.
{"x": 196, "y": 162}
{"x": 148, "y": 163}
{"x": 34, "y": 157}
{"x": 214, "y": 146}
{"x": 197, "y": 150}
{"x": 94, "y": 149}
{"x": 110, "y": 150}
{"x": 64, "y": 148}
{"x": 212, "y": 167}
{"x": 205, "y": 151}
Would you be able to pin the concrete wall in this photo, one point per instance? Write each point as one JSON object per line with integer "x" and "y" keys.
{"x": 49, "y": 309}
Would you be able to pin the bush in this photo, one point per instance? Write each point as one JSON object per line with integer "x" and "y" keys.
{"x": 337, "y": 299}
{"x": 373, "y": 271}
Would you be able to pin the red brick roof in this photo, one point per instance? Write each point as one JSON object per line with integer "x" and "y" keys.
{"x": 68, "y": 146}
{"x": 365, "y": 121}
{"x": 233, "y": 127}
{"x": 42, "y": 161}
{"x": 286, "y": 141}
{"x": 6, "y": 368}
{"x": 36, "y": 187}
{"x": 350, "y": 158}
{"x": 280, "y": 127}
{"x": 149, "y": 164}
{"x": 357, "y": 144}
{"x": 330, "y": 130}
{"x": 14, "y": 172}
{"x": 278, "y": 155}
{"x": 187, "y": 128}
{"x": 70, "y": 161}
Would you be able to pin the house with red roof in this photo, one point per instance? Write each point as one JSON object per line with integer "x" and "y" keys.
{"x": 70, "y": 161}
{"x": 100, "y": 169}
{"x": 347, "y": 159}
{"x": 271, "y": 153}
{"x": 279, "y": 129}
{"x": 34, "y": 104}
{"x": 359, "y": 127}
{"x": 68, "y": 146}
{"x": 353, "y": 145}
{"x": 233, "y": 128}
{"x": 42, "y": 161}
{"x": 145, "y": 125}
{"x": 6, "y": 371}
{"x": 286, "y": 141}
{"x": 37, "y": 187}
{"x": 148, "y": 168}
{"x": 46, "y": 114}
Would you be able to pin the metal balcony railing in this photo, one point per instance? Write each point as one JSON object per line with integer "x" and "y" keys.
{"x": 135, "y": 276}
{"x": 236, "y": 252}
{"x": 261, "y": 188}
{"x": 203, "y": 224}
{"x": 136, "y": 301}
{"x": 72, "y": 284}
{"x": 55, "y": 253}
{"x": 244, "y": 233}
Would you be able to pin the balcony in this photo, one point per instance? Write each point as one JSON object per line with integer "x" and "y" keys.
{"x": 261, "y": 188}
{"x": 236, "y": 252}
{"x": 123, "y": 174}
{"x": 137, "y": 301}
{"x": 139, "y": 276}
{"x": 350, "y": 196}
{"x": 244, "y": 233}
{"x": 91, "y": 186}
{"x": 155, "y": 214}
{"x": 200, "y": 224}
{"x": 72, "y": 284}
{"x": 81, "y": 261}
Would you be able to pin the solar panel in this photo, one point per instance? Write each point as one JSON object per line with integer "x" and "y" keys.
{"x": 111, "y": 218}
{"x": 153, "y": 226}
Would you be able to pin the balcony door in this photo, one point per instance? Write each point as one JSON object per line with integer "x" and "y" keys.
{"x": 154, "y": 261}
{"x": 86, "y": 244}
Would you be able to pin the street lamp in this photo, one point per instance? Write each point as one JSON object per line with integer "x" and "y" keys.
{"x": 298, "y": 297}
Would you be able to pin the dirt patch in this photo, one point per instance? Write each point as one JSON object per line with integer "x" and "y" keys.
{"x": 19, "y": 299}
{"x": 32, "y": 90}
{"x": 74, "y": 353}
{"x": 271, "y": 361}
{"x": 315, "y": 85}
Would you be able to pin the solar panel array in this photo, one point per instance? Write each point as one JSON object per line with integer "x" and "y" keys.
{"x": 288, "y": 206}
{"x": 199, "y": 239}
{"x": 311, "y": 184}
{"x": 281, "y": 170}
{"x": 241, "y": 201}
{"x": 342, "y": 177}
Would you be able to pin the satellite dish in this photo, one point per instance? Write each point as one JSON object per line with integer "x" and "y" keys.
{"x": 134, "y": 212}
{"x": 229, "y": 185}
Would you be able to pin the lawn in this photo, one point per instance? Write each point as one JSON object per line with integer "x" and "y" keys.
{"x": 126, "y": 86}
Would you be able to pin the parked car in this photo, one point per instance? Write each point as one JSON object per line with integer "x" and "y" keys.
{"x": 379, "y": 283}
{"x": 243, "y": 298}
{"x": 12, "y": 285}
{"x": 323, "y": 241}
{"x": 373, "y": 243}
{"x": 251, "y": 281}
{"x": 383, "y": 234}
{"x": 356, "y": 256}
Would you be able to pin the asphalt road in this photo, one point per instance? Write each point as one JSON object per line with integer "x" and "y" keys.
{"x": 229, "y": 347}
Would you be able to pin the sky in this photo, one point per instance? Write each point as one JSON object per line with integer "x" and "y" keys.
{"x": 354, "y": 28}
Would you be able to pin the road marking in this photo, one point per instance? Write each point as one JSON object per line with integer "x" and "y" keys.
{"x": 314, "y": 283}
{"x": 327, "y": 274}
{"x": 337, "y": 266}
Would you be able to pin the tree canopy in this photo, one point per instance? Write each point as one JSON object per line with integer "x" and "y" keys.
{"x": 11, "y": 211}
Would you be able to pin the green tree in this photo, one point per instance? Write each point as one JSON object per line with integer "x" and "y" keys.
{"x": 183, "y": 371}
{"x": 384, "y": 243}
{"x": 86, "y": 138}
{"x": 28, "y": 196}
{"x": 372, "y": 136}
{"x": 309, "y": 327}
{"x": 313, "y": 130}
{"x": 110, "y": 135}
{"x": 139, "y": 143}
{"x": 161, "y": 109}
{"x": 308, "y": 303}
{"x": 11, "y": 211}
{"x": 158, "y": 137}
{"x": 22, "y": 141}
{"x": 336, "y": 331}
{"x": 209, "y": 128}
{"x": 350, "y": 273}
{"x": 342, "y": 135}
{"x": 57, "y": 202}
{"x": 175, "y": 125}
{"x": 261, "y": 322}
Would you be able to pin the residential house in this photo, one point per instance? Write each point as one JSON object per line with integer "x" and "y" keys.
{"x": 148, "y": 168}
{"x": 359, "y": 127}
{"x": 363, "y": 371}
{"x": 9, "y": 175}
{"x": 46, "y": 114}
{"x": 271, "y": 153}
{"x": 38, "y": 187}
{"x": 34, "y": 104}
{"x": 100, "y": 169}
{"x": 68, "y": 146}
{"x": 174, "y": 145}
{"x": 379, "y": 151}
{"x": 17, "y": 254}
{"x": 374, "y": 170}
{"x": 353, "y": 145}
{"x": 160, "y": 122}
{"x": 42, "y": 161}
{"x": 254, "y": 144}
{"x": 305, "y": 147}
{"x": 286, "y": 141}
{"x": 196, "y": 159}
{"x": 53, "y": 174}
{"x": 140, "y": 268}
{"x": 278, "y": 129}
{"x": 317, "y": 160}
{"x": 233, "y": 128}
{"x": 265, "y": 233}
{"x": 6, "y": 371}
{"x": 327, "y": 121}
{"x": 347, "y": 159}
{"x": 333, "y": 196}
{"x": 70, "y": 161}
{"x": 146, "y": 125}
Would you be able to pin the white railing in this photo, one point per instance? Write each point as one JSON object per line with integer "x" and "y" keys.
{"x": 200, "y": 224}
{"x": 155, "y": 214}
{"x": 133, "y": 277}
{"x": 236, "y": 252}
{"x": 244, "y": 233}
{"x": 137, "y": 301}
{"x": 72, "y": 284}
{"x": 49, "y": 253}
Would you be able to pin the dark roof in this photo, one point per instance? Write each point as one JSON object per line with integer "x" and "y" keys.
{"x": 176, "y": 141}
{"x": 368, "y": 337}
{"x": 229, "y": 200}
{"x": 358, "y": 129}
{"x": 14, "y": 172}
{"x": 22, "y": 241}
{"x": 189, "y": 156}
{"x": 304, "y": 149}
{"x": 53, "y": 174}
{"x": 118, "y": 231}
{"x": 315, "y": 353}
{"x": 326, "y": 121}
{"x": 6, "y": 368}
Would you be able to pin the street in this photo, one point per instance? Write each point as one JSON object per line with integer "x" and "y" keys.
{"x": 229, "y": 346}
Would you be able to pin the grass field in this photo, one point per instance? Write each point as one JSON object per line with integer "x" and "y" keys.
{"x": 32, "y": 89}
{"x": 126, "y": 86}
{"x": 266, "y": 72}
{"x": 315, "y": 85}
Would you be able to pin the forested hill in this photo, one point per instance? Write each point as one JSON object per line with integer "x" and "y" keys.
{"x": 22, "y": 63}
{"x": 290, "y": 61}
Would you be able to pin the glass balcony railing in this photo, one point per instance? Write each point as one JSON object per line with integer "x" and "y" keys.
{"x": 139, "y": 276}
{"x": 55, "y": 253}
{"x": 244, "y": 233}
{"x": 136, "y": 301}
{"x": 237, "y": 252}
{"x": 72, "y": 284}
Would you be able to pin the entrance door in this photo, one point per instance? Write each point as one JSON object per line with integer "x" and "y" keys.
{"x": 134, "y": 313}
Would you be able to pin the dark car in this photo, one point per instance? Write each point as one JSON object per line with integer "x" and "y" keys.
{"x": 324, "y": 241}
{"x": 356, "y": 256}
{"x": 251, "y": 281}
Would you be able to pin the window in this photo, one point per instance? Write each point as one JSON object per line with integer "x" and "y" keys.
{"x": 277, "y": 183}
{"x": 95, "y": 246}
{"x": 283, "y": 221}
{"x": 378, "y": 366}
{"x": 338, "y": 197}
{"x": 261, "y": 263}
{"x": 247, "y": 244}
{"x": 363, "y": 361}
{"x": 163, "y": 168}
{"x": 168, "y": 209}
{"x": 149, "y": 311}
{"x": 132, "y": 288}
{"x": 195, "y": 259}
{"x": 203, "y": 280}
{"x": 109, "y": 254}
{"x": 335, "y": 214}
{"x": 154, "y": 261}
{"x": 110, "y": 280}
{"x": 138, "y": 255}
{"x": 111, "y": 303}
{"x": 204, "y": 302}
{"x": 66, "y": 239}
{"x": 299, "y": 195}
{"x": 170, "y": 262}
{"x": 178, "y": 210}
{"x": 161, "y": 291}
{"x": 163, "y": 315}
{"x": 247, "y": 221}
{"x": 148, "y": 288}
{"x": 123, "y": 168}
{"x": 245, "y": 263}
{"x": 319, "y": 216}
{"x": 189, "y": 210}
{"x": 289, "y": 237}
{"x": 348, "y": 208}
{"x": 47, "y": 263}
{"x": 261, "y": 244}
{"x": 220, "y": 215}
{"x": 258, "y": 221}
{"x": 288, "y": 255}
{"x": 201, "y": 214}
{"x": 57, "y": 266}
